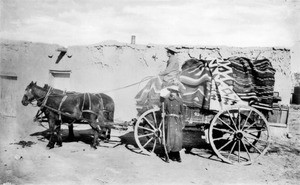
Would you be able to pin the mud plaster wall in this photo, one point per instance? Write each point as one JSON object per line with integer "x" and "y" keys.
{"x": 107, "y": 66}
{"x": 296, "y": 79}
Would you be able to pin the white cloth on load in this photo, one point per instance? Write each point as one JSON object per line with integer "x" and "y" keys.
{"x": 164, "y": 92}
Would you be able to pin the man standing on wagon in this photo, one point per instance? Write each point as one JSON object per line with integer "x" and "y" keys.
{"x": 174, "y": 125}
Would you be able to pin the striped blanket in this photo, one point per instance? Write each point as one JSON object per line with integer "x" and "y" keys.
{"x": 253, "y": 80}
{"x": 224, "y": 82}
{"x": 149, "y": 96}
{"x": 264, "y": 73}
{"x": 196, "y": 77}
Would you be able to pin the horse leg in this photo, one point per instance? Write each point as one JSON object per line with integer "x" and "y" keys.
{"x": 71, "y": 133}
{"x": 52, "y": 133}
{"x": 58, "y": 133}
{"x": 95, "y": 141}
{"x": 108, "y": 119}
{"x": 96, "y": 129}
{"x": 107, "y": 134}
{"x": 111, "y": 119}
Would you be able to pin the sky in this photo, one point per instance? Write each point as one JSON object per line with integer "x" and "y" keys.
{"x": 240, "y": 23}
{"x": 171, "y": 22}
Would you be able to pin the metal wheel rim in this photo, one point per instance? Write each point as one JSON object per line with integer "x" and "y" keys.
{"x": 156, "y": 139}
{"x": 240, "y": 137}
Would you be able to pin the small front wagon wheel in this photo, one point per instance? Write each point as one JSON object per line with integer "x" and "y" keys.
{"x": 148, "y": 131}
{"x": 239, "y": 135}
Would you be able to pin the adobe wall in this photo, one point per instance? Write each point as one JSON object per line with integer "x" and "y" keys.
{"x": 107, "y": 66}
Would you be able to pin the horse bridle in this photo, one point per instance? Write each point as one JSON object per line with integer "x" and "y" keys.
{"x": 32, "y": 98}
{"x": 29, "y": 96}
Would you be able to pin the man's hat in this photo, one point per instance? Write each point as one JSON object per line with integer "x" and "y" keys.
{"x": 173, "y": 88}
{"x": 172, "y": 49}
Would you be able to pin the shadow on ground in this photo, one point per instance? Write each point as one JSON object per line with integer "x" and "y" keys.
{"x": 280, "y": 148}
{"x": 193, "y": 144}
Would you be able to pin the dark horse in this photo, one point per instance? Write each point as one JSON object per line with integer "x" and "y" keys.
{"x": 67, "y": 108}
{"x": 108, "y": 111}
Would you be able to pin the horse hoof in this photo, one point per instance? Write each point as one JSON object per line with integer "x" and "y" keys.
{"x": 49, "y": 147}
{"x": 59, "y": 144}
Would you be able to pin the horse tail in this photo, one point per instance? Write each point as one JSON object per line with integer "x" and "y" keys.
{"x": 109, "y": 107}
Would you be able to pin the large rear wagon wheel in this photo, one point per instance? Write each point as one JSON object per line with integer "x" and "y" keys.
{"x": 239, "y": 135}
{"x": 148, "y": 132}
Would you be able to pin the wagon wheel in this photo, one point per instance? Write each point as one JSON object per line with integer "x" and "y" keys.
{"x": 239, "y": 135}
{"x": 148, "y": 131}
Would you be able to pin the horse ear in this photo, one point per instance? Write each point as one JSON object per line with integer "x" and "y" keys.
{"x": 35, "y": 83}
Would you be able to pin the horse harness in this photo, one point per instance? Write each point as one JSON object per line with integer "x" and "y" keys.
{"x": 60, "y": 113}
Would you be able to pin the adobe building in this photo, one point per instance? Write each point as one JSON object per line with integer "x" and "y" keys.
{"x": 110, "y": 67}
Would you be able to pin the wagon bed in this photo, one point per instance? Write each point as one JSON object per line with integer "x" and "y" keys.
{"x": 229, "y": 101}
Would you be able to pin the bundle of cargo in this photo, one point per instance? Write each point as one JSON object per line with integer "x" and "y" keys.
{"x": 217, "y": 84}
{"x": 218, "y": 96}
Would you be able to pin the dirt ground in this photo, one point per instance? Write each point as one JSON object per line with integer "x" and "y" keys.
{"x": 119, "y": 162}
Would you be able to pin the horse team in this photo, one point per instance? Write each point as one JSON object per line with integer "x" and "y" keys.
{"x": 69, "y": 107}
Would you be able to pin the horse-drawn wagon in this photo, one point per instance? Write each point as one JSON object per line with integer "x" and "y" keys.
{"x": 228, "y": 100}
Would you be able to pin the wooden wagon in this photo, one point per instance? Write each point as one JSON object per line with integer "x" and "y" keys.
{"x": 230, "y": 105}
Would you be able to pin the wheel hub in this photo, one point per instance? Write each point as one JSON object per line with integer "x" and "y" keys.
{"x": 239, "y": 135}
{"x": 157, "y": 133}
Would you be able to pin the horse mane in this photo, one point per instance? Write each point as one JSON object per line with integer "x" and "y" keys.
{"x": 58, "y": 91}
{"x": 36, "y": 86}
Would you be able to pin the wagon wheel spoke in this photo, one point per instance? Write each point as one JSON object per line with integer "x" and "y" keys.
{"x": 226, "y": 124}
{"x": 151, "y": 125}
{"x": 232, "y": 120}
{"x": 255, "y": 122}
{"x": 249, "y": 126}
{"x": 232, "y": 148}
{"x": 220, "y": 138}
{"x": 160, "y": 125}
{"x": 225, "y": 145}
{"x": 246, "y": 151}
{"x": 247, "y": 119}
{"x": 222, "y": 130}
{"x": 253, "y": 146}
{"x": 145, "y": 135}
{"x": 145, "y": 128}
{"x": 254, "y": 131}
{"x": 239, "y": 118}
{"x": 155, "y": 120}
{"x": 239, "y": 146}
{"x": 148, "y": 142}
{"x": 154, "y": 146}
{"x": 159, "y": 139}
{"x": 255, "y": 138}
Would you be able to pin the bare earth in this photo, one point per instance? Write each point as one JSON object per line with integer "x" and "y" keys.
{"x": 119, "y": 162}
